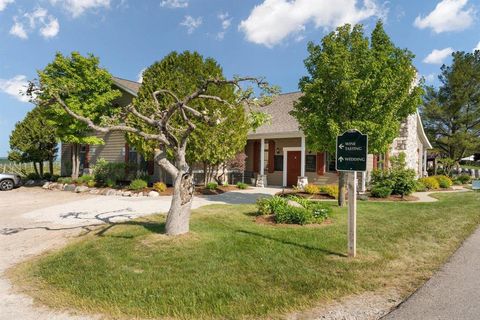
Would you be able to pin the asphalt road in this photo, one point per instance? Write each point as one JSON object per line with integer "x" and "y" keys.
{"x": 453, "y": 293}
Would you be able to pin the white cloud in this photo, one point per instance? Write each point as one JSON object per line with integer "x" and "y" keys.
{"x": 173, "y": 4}
{"x": 226, "y": 23}
{"x": 438, "y": 56}
{"x": 78, "y": 7}
{"x": 191, "y": 23}
{"x": 15, "y": 87}
{"x": 39, "y": 18}
{"x": 5, "y": 3}
{"x": 448, "y": 15}
{"x": 477, "y": 47}
{"x": 18, "y": 30}
{"x": 274, "y": 20}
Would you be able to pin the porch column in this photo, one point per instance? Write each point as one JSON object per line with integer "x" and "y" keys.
{"x": 302, "y": 160}
{"x": 262, "y": 156}
{"x": 424, "y": 173}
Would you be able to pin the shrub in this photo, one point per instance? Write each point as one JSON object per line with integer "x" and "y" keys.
{"x": 47, "y": 176}
{"x": 85, "y": 179}
{"x": 464, "y": 178}
{"x": 292, "y": 215}
{"x": 320, "y": 211}
{"x": 420, "y": 186}
{"x": 212, "y": 185}
{"x": 65, "y": 180}
{"x": 138, "y": 184}
{"x": 311, "y": 189}
{"x": 54, "y": 178}
{"x": 271, "y": 205}
{"x": 242, "y": 185}
{"x": 381, "y": 192}
{"x": 159, "y": 187}
{"x": 430, "y": 183}
{"x": 331, "y": 190}
{"x": 110, "y": 183}
{"x": 114, "y": 171}
{"x": 33, "y": 176}
{"x": 91, "y": 183}
{"x": 444, "y": 182}
{"x": 403, "y": 181}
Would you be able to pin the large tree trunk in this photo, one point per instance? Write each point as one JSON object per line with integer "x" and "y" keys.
{"x": 178, "y": 218}
{"x": 341, "y": 188}
{"x": 35, "y": 168}
{"x": 41, "y": 169}
{"x": 75, "y": 161}
{"x": 50, "y": 166}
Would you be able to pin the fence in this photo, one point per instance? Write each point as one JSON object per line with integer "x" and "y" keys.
{"x": 25, "y": 168}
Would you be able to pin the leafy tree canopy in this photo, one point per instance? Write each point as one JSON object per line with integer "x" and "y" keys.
{"x": 85, "y": 87}
{"x": 452, "y": 112}
{"x": 356, "y": 83}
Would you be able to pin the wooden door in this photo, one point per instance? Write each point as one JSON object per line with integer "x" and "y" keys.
{"x": 293, "y": 167}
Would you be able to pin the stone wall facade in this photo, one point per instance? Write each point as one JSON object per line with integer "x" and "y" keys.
{"x": 409, "y": 143}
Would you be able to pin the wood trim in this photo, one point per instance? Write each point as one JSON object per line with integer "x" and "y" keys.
{"x": 375, "y": 161}
{"x": 271, "y": 156}
{"x": 127, "y": 153}
{"x": 320, "y": 163}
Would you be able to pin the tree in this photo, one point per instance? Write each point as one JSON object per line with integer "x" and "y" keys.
{"x": 79, "y": 82}
{"x": 354, "y": 83}
{"x": 179, "y": 95}
{"x": 452, "y": 112}
{"x": 33, "y": 140}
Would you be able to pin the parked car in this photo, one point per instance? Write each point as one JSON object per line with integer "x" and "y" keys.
{"x": 8, "y": 181}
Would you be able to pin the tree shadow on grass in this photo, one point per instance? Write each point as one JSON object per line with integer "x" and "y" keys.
{"x": 291, "y": 243}
{"x": 106, "y": 221}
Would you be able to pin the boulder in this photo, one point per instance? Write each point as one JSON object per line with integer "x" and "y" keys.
{"x": 59, "y": 186}
{"x": 294, "y": 204}
{"x": 111, "y": 192}
{"x": 94, "y": 191}
{"x": 46, "y": 185}
{"x": 153, "y": 194}
{"x": 30, "y": 183}
{"x": 70, "y": 187}
{"x": 127, "y": 194}
{"x": 81, "y": 189}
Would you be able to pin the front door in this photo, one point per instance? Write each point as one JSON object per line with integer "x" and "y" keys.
{"x": 293, "y": 167}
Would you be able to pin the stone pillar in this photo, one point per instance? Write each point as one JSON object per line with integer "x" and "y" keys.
{"x": 302, "y": 182}
{"x": 261, "y": 181}
{"x": 425, "y": 172}
{"x": 363, "y": 186}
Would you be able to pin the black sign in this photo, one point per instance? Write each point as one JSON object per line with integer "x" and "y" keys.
{"x": 352, "y": 150}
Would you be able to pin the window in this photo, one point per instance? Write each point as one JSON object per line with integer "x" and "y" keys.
{"x": 132, "y": 155}
{"x": 278, "y": 163}
{"x": 310, "y": 163}
{"x": 331, "y": 162}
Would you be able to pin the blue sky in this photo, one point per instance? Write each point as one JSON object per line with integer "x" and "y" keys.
{"x": 249, "y": 37}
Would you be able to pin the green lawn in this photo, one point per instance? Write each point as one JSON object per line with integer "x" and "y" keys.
{"x": 231, "y": 267}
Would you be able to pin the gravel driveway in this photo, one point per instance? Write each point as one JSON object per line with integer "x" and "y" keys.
{"x": 33, "y": 220}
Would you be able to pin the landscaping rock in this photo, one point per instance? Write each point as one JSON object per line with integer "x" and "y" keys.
{"x": 30, "y": 183}
{"x": 59, "y": 186}
{"x": 119, "y": 193}
{"x": 153, "y": 194}
{"x": 46, "y": 185}
{"x": 94, "y": 191}
{"x": 81, "y": 189}
{"x": 70, "y": 187}
{"x": 127, "y": 194}
{"x": 111, "y": 192}
{"x": 294, "y": 204}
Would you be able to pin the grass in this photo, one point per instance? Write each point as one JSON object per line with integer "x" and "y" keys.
{"x": 231, "y": 267}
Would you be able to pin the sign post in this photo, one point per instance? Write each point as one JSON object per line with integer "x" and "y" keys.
{"x": 351, "y": 156}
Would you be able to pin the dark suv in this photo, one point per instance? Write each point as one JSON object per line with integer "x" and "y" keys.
{"x": 8, "y": 181}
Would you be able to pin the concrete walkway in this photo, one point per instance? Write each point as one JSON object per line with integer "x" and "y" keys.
{"x": 452, "y": 293}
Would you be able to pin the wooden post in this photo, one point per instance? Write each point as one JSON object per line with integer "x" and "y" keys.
{"x": 352, "y": 214}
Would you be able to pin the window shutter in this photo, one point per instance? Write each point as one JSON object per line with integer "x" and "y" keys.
{"x": 127, "y": 152}
{"x": 256, "y": 156}
{"x": 87, "y": 157}
{"x": 320, "y": 163}
{"x": 150, "y": 167}
{"x": 271, "y": 156}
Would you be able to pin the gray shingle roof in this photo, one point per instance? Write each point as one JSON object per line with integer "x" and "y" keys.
{"x": 279, "y": 110}
{"x": 127, "y": 85}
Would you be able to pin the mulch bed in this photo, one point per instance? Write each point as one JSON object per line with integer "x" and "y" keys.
{"x": 321, "y": 196}
{"x": 270, "y": 221}
{"x": 393, "y": 198}
{"x": 199, "y": 191}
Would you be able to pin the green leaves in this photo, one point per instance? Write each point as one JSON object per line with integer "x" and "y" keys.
{"x": 355, "y": 82}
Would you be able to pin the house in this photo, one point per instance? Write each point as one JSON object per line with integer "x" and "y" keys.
{"x": 276, "y": 152}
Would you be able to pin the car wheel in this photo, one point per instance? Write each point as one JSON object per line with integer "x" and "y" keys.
{"x": 6, "y": 185}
